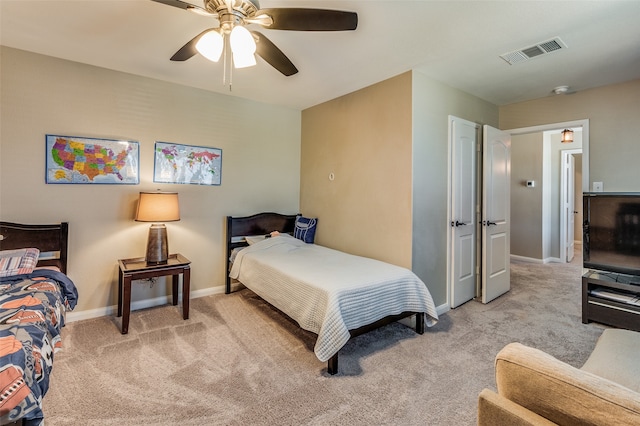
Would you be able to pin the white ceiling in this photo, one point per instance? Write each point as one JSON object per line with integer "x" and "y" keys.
{"x": 455, "y": 42}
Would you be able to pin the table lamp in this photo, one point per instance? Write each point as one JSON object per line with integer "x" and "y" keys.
{"x": 157, "y": 207}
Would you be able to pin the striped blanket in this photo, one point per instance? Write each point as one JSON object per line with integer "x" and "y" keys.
{"x": 329, "y": 292}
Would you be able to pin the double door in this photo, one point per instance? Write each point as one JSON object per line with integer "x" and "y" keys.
{"x": 479, "y": 212}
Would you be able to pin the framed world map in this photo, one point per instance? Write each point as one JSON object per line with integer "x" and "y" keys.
{"x": 176, "y": 163}
{"x": 72, "y": 159}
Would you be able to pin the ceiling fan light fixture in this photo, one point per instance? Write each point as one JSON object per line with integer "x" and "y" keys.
{"x": 198, "y": 11}
{"x": 210, "y": 45}
{"x": 243, "y": 47}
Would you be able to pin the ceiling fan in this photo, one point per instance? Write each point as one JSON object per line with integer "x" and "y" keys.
{"x": 234, "y": 15}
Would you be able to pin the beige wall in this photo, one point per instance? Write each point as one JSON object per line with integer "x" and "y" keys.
{"x": 40, "y": 95}
{"x": 526, "y": 203}
{"x": 364, "y": 139}
{"x": 613, "y": 113}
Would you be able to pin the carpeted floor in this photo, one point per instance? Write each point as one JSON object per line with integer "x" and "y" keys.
{"x": 237, "y": 361}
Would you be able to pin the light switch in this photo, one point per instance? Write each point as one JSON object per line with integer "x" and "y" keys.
{"x": 597, "y": 186}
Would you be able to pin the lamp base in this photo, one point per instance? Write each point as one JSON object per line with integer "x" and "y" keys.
{"x": 157, "y": 245}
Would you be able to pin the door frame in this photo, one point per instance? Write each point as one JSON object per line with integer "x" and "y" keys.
{"x": 560, "y": 125}
{"x": 584, "y": 124}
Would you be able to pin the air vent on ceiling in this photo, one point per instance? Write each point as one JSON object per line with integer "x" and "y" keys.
{"x": 538, "y": 49}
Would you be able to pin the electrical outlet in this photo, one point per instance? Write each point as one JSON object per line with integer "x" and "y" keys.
{"x": 597, "y": 186}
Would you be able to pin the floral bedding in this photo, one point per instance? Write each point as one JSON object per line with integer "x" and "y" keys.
{"x": 32, "y": 313}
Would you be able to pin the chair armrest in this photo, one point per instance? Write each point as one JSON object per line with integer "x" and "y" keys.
{"x": 495, "y": 410}
{"x": 561, "y": 393}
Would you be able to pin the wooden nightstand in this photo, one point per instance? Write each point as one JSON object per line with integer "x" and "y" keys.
{"x": 137, "y": 269}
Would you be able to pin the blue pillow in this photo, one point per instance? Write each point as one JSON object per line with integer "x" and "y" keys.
{"x": 305, "y": 229}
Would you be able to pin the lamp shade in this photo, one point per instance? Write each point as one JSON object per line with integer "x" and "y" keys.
{"x": 158, "y": 207}
{"x": 243, "y": 47}
{"x": 210, "y": 45}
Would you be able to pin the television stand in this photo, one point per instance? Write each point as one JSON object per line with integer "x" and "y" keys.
{"x": 611, "y": 299}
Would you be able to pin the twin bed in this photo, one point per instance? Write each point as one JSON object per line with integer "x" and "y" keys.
{"x": 330, "y": 293}
{"x": 35, "y": 293}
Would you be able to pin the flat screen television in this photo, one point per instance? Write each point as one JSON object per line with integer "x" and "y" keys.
{"x": 612, "y": 232}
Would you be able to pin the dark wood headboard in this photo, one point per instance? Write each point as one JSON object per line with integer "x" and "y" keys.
{"x": 47, "y": 238}
{"x": 258, "y": 224}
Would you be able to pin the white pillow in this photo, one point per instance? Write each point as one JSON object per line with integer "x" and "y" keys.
{"x": 254, "y": 239}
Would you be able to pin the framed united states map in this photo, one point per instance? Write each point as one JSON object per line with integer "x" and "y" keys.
{"x": 72, "y": 159}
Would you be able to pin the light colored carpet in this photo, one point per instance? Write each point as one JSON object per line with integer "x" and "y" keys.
{"x": 237, "y": 361}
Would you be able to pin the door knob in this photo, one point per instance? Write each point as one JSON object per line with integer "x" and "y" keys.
{"x": 489, "y": 223}
{"x": 456, "y": 223}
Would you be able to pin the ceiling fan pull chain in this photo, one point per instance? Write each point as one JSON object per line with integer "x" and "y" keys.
{"x": 228, "y": 64}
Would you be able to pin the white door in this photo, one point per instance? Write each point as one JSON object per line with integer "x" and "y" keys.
{"x": 464, "y": 146}
{"x": 570, "y": 207}
{"x": 496, "y": 211}
{"x": 567, "y": 204}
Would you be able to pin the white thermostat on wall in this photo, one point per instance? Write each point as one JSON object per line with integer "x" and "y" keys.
{"x": 531, "y": 183}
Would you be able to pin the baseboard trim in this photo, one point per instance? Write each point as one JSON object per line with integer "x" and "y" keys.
{"x": 138, "y": 304}
{"x": 535, "y": 260}
{"x": 163, "y": 300}
{"x": 442, "y": 309}
{"x": 526, "y": 259}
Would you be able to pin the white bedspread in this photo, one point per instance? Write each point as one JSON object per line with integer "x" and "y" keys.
{"x": 327, "y": 291}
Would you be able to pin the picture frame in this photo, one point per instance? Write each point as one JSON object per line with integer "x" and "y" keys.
{"x": 187, "y": 164}
{"x": 84, "y": 160}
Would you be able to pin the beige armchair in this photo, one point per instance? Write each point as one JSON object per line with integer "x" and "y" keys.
{"x": 535, "y": 388}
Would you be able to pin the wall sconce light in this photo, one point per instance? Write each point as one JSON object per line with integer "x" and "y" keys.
{"x": 157, "y": 207}
{"x": 567, "y": 136}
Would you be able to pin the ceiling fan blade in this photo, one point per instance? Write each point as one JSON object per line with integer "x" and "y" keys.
{"x": 186, "y": 6}
{"x": 189, "y": 49}
{"x": 274, "y": 56}
{"x": 299, "y": 19}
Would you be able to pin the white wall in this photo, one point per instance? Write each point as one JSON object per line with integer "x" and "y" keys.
{"x": 39, "y": 95}
{"x": 432, "y": 104}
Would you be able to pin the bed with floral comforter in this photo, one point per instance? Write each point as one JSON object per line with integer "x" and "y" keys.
{"x": 32, "y": 313}
{"x": 35, "y": 294}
